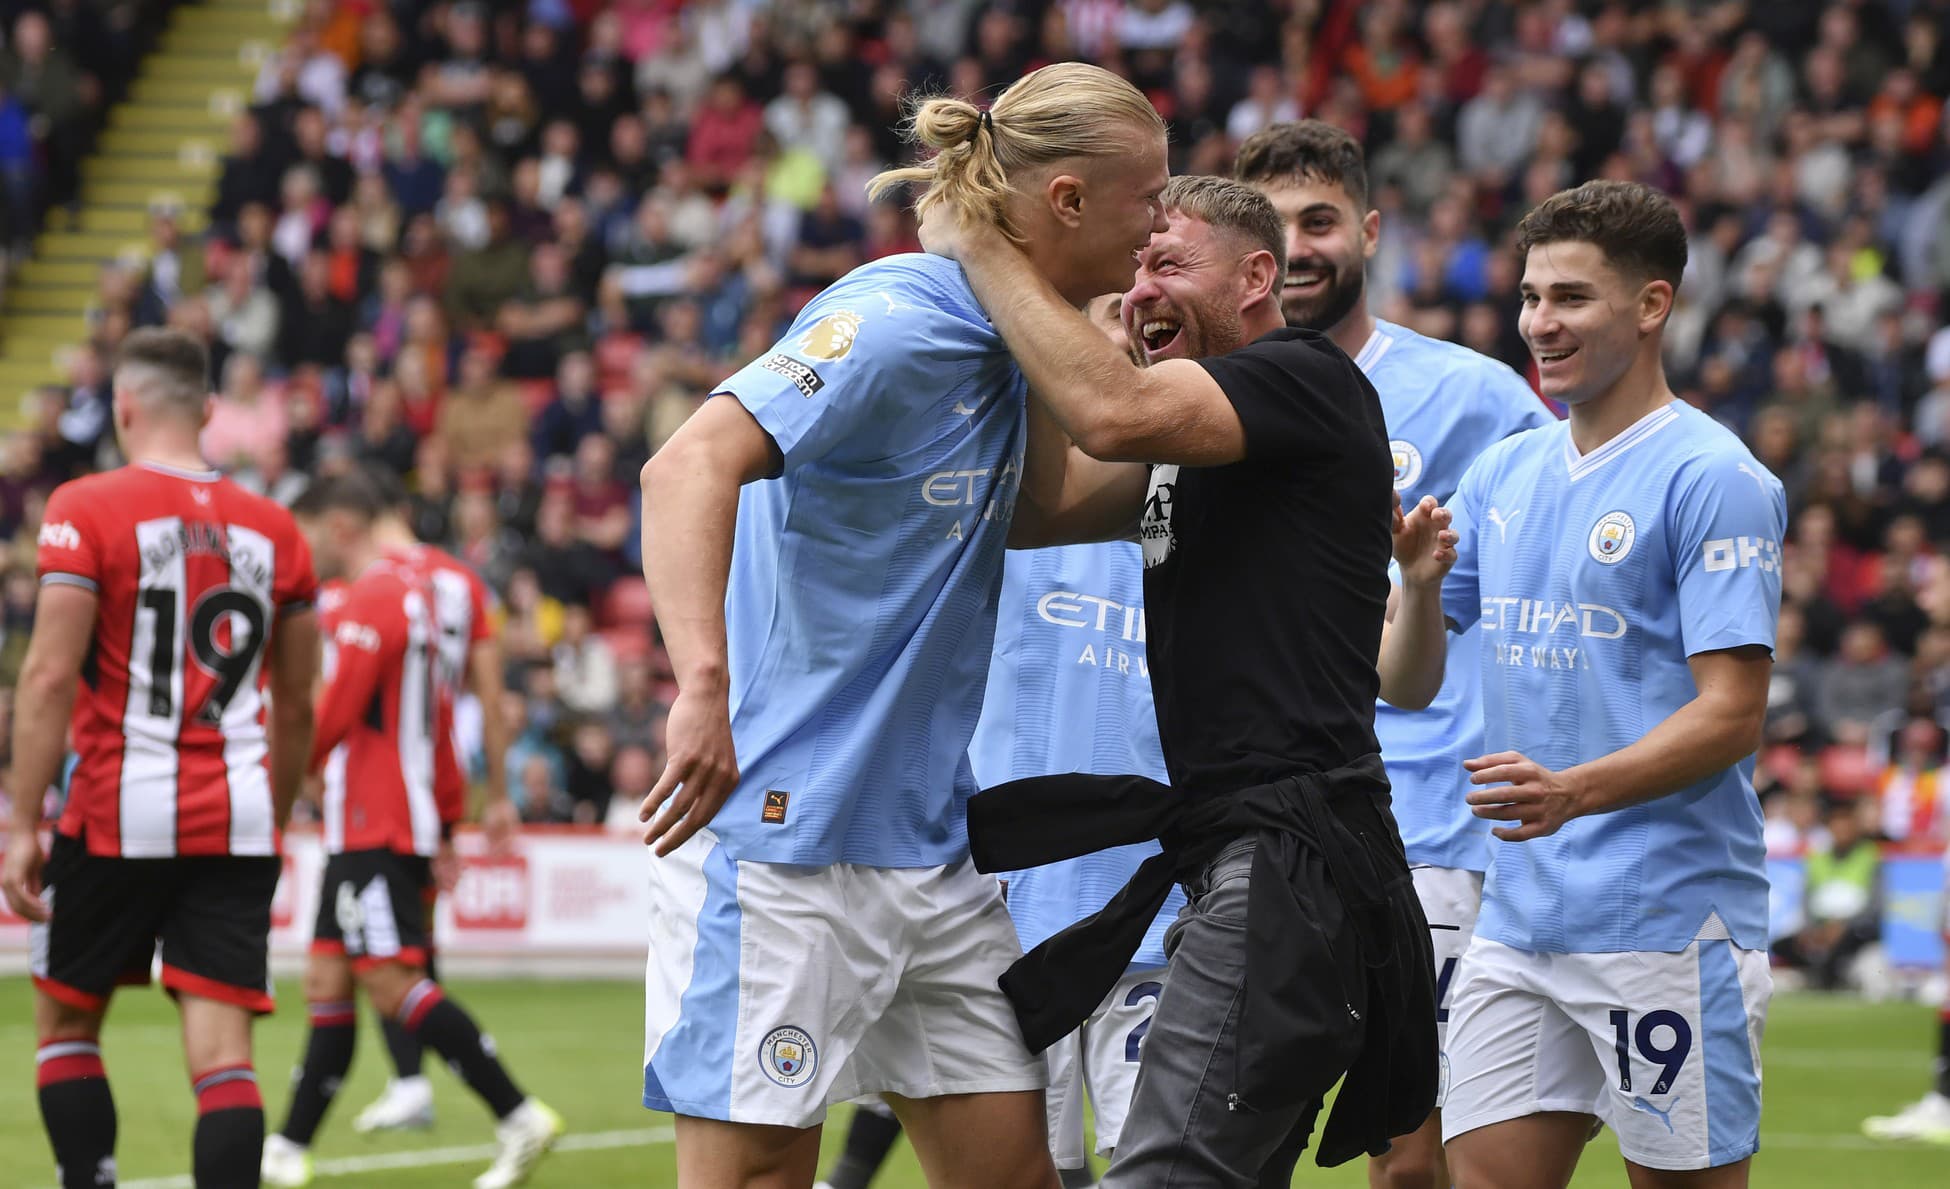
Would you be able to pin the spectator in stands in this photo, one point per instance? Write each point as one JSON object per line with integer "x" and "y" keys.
{"x": 585, "y": 665}
{"x": 41, "y": 75}
{"x": 632, "y": 776}
{"x": 1496, "y": 130}
{"x": 1791, "y": 691}
{"x": 1909, "y": 808}
{"x": 574, "y": 413}
{"x": 587, "y": 785}
{"x": 1841, "y": 900}
{"x": 1863, "y": 684}
{"x": 20, "y": 171}
{"x": 247, "y": 419}
{"x": 634, "y": 719}
{"x": 314, "y": 324}
{"x": 482, "y": 416}
{"x": 567, "y": 569}
{"x": 486, "y": 277}
{"x": 544, "y": 320}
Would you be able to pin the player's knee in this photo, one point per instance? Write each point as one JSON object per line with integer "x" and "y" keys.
{"x": 328, "y": 979}
{"x": 386, "y": 984}
{"x": 1405, "y": 1170}
{"x": 58, "y": 1021}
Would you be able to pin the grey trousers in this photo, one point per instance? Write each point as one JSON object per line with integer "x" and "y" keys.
{"x": 1183, "y": 1132}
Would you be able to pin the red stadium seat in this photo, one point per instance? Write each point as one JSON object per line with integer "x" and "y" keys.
{"x": 1845, "y": 769}
{"x": 626, "y": 604}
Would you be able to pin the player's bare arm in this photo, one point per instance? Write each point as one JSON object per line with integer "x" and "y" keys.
{"x": 294, "y": 673}
{"x": 1716, "y": 730}
{"x": 1068, "y": 497}
{"x": 1171, "y": 412}
{"x": 1414, "y": 640}
{"x": 64, "y": 626}
{"x": 690, "y": 508}
{"x": 499, "y": 818}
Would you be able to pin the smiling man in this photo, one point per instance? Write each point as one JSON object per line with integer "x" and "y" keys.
{"x": 1625, "y": 569}
{"x": 1444, "y": 405}
{"x": 812, "y": 861}
{"x": 1265, "y": 521}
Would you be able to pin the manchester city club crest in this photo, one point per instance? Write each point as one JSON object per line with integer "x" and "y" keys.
{"x": 788, "y": 1056}
{"x": 1408, "y": 464}
{"x": 1611, "y": 538}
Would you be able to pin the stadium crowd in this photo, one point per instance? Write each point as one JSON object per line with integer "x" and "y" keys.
{"x": 507, "y": 249}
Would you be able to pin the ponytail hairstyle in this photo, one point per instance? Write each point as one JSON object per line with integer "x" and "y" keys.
{"x": 1065, "y": 110}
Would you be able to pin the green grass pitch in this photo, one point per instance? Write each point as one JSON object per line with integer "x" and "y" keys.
{"x": 1828, "y": 1062}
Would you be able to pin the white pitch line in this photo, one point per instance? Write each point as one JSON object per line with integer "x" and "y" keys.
{"x": 352, "y": 1166}
{"x": 597, "y": 1141}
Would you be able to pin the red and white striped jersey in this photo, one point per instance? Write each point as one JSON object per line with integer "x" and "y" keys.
{"x": 461, "y": 607}
{"x": 384, "y": 727}
{"x": 192, "y": 573}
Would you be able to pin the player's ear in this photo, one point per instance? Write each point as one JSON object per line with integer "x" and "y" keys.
{"x": 1063, "y": 194}
{"x": 1370, "y": 234}
{"x": 209, "y": 407}
{"x": 1655, "y": 305}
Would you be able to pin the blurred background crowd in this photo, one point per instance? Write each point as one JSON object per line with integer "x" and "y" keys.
{"x": 506, "y": 248}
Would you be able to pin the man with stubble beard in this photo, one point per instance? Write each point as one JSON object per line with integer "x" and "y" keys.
{"x": 1251, "y": 460}
{"x": 1444, "y": 405}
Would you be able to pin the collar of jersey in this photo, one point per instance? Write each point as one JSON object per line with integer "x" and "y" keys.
{"x": 203, "y": 476}
{"x": 1638, "y": 431}
{"x": 1371, "y": 351}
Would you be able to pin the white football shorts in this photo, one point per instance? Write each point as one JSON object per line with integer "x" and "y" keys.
{"x": 774, "y": 992}
{"x": 1100, "y": 1058}
{"x": 1663, "y": 1048}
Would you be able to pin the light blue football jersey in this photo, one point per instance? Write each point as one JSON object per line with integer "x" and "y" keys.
{"x": 1594, "y": 578}
{"x": 1069, "y": 691}
{"x": 1444, "y": 405}
{"x": 864, "y": 577}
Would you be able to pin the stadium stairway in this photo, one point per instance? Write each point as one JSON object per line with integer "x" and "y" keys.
{"x": 161, "y": 145}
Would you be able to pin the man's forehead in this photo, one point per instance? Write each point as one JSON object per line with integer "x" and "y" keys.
{"x": 1290, "y": 196}
{"x": 1184, "y": 233}
{"x": 1565, "y": 263}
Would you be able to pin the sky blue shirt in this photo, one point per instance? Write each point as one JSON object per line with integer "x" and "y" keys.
{"x": 1444, "y": 405}
{"x": 864, "y": 577}
{"x": 1069, "y": 691}
{"x": 1594, "y": 578}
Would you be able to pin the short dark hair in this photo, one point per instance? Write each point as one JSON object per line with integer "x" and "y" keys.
{"x": 1305, "y": 150}
{"x": 1636, "y": 227}
{"x": 352, "y": 492}
{"x": 386, "y": 485}
{"x": 1230, "y": 207}
{"x": 166, "y": 369}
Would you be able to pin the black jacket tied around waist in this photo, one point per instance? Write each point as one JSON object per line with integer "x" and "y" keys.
{"x": 1330, "y": 891}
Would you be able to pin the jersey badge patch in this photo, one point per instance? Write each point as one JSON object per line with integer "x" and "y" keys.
{"x": 1611, "y": 538}
{"x": 788, "y": 1056}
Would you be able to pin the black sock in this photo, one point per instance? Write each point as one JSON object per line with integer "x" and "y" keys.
{"x": 443, "y": 1026}
{"x": 78, "y": 1111}
{"x": 229, "y": 1144}
{"x": 868, "y": 1140}
{"x": 404, "y": 1047}
{"x": 1943, "y": 1052}
{"x": 328, "y": 1055}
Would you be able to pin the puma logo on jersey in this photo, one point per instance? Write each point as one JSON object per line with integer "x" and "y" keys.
{"x": 1503, "y": 522}
{"x": 61, "y": 535}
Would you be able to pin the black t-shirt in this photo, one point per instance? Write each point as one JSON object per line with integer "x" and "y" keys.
{"x": 1266, "y": 580}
